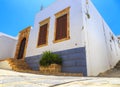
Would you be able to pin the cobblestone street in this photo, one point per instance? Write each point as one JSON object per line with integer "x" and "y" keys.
{"x": 16, "y": 79}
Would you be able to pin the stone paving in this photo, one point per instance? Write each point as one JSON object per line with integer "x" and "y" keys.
{"x": 16, "y": 79}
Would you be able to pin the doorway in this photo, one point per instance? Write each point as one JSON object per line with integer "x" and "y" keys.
{"x": 22, "y": 49}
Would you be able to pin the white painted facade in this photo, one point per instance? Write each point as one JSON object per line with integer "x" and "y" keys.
{"x": 87, "y": 29}
{"x": 76, "y": 32}
{"x": 102, "y": 52}
{"x": 93, "y": 33}
{"x": 7, "y": 46}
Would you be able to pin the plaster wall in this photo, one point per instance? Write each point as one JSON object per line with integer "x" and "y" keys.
{"x": 101, "y": 50}
{"x": 76, "y": 32}
{"x": 87, "y": 29}
{"x": 7, "y": 47}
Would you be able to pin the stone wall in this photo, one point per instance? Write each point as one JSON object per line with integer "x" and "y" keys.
{"x": 53, "y": 68}
{"x": 74, "y": 61}
{"x": 22, "y": 34}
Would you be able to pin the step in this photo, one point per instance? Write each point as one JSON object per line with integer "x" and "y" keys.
{"x": 5, "y": 65}
{"x": 18, "y": 65}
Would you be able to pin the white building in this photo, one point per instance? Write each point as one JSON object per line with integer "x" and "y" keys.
{"x": 75, "y": 30}
{"x": 7, "y": 46}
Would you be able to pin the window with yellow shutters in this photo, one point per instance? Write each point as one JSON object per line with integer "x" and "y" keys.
{"x": 62, "y": 26}
{"x": 43, "y": 33}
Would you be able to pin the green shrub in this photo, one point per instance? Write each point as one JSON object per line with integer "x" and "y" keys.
{"x": 50, "y": 58}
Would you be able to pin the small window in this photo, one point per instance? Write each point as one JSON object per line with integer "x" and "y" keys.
{"x": 43, "y": 33}
{"x": 62, "y": 25}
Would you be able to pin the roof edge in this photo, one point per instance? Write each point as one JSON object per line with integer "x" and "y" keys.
{"x": 3, "y": 34}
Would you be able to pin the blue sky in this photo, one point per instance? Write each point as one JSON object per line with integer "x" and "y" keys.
{"x": 16, "y": 15}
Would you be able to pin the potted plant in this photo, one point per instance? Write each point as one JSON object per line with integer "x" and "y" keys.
{"x": 50, "y": 63}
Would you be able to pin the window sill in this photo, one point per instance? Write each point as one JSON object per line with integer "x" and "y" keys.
{"x": 43, "y": 45}
{"x": 60, "y": 40}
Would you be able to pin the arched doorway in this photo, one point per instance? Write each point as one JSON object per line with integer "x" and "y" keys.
{"x": 21, "y": 49}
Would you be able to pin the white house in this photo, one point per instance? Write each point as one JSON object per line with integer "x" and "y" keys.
{"x": 75, "y": 30}
{"x": 7, "y": 46}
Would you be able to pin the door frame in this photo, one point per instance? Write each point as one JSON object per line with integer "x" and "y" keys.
{"x": 22, "y": 34}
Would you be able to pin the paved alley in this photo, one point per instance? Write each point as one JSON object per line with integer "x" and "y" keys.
{"x": 16, "y": 79}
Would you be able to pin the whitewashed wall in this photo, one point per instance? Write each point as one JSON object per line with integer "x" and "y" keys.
{"x": 101, "y": 53}
{"x": 94, "y": 34}
{"x": 7, "y": 46}
{"x": 76, "y": 32}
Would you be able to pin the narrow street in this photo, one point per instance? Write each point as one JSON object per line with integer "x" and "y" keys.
{"x": 16, "y": 79}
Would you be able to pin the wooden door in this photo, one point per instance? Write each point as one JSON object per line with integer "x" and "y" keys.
{"x": 21, "y": 49}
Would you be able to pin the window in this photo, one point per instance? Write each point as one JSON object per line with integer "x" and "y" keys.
{"x": 43, "y": 33}
{"x": 62, "y": 26}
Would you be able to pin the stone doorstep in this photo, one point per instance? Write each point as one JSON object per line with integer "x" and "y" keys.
{"x": 18, "y": 65}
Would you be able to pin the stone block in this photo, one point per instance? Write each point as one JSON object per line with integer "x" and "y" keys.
{"x": 53, "y": 68}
